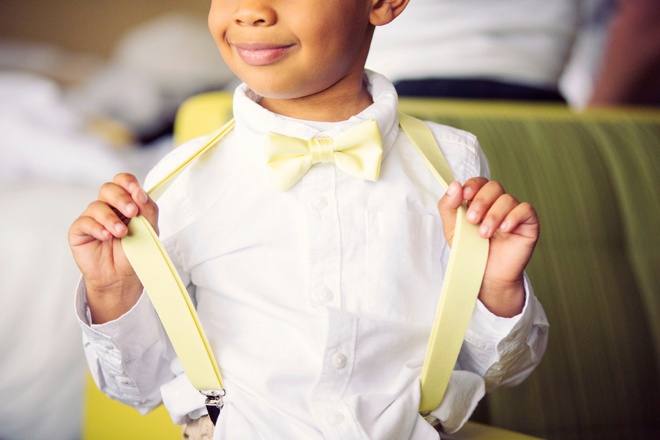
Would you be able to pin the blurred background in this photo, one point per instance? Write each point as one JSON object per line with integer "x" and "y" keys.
{"x": 89, "y": 88}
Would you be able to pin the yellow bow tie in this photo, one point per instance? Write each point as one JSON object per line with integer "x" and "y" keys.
{"x": 357, "y": 151}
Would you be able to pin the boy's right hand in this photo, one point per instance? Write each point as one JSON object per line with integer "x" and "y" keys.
{"x": 95, "y": 241}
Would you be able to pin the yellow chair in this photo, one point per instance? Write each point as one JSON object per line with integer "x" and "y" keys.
{"x": 202, "y": 114}
{"x": 107, "y": 419}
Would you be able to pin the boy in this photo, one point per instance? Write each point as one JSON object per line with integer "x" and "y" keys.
{"x": 317, "y": 293}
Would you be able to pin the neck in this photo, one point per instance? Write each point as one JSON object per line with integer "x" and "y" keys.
{"x": 339, "y": 102}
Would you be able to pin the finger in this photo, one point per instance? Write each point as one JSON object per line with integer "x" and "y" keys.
{"x": 496, "y": 214}
{"x": 472, "y": 187}
{"x": 522, "y": 214}
{"x": 110, "y": 218}
{"x": 127, "y": 181}
{"x": 447, "y": 207}
{"x": 85, "y": 229}
{"x": 483, "y": 200}
{"x": 118, "y": 198}
{"x": 146, "y": 206}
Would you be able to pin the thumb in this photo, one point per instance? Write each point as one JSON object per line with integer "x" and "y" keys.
{"x": 146, "y": 205}
{"x": 447, "y": 207}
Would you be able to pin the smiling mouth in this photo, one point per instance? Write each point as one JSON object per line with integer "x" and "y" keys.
{"x": 261, "y": 54}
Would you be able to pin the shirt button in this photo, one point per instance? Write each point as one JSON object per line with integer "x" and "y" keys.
{"x": 123, "y": 380}
{"x": 334, "y": 418}
{"x": 339, "y": 360}
{"x": 320, "y": 202}
{"x": 113, "y": 361}
{"x": 106, "y": 344}
{"x": 324, "y": 294}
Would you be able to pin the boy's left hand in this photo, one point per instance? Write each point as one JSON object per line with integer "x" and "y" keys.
{"x": 513, "y": 230}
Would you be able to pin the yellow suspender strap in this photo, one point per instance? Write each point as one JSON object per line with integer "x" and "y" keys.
{"x": 461, "y": 286}
{"x": 465, "y": 271}
{"x": 170, "y": 297}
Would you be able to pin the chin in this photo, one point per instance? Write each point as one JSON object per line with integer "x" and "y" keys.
{"x": 276, "y": 92}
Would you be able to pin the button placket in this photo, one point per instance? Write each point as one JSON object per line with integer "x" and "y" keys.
{"x": 339, "y": 347}
{"x": 324, "y": 239}
{"x": 324, "y": 289}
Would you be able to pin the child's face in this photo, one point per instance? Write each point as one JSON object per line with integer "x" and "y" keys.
{"x": 286, "y": 49}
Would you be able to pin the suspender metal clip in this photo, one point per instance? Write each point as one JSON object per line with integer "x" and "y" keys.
{"x": 214, "y": 403}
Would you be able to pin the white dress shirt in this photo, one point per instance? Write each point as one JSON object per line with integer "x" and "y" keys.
{"x": 317, "y": 301}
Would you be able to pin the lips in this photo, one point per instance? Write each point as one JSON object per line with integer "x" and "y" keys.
{"x": 258, "y": 54}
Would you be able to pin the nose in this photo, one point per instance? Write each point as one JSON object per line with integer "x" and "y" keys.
{"x": 255, "y": 13}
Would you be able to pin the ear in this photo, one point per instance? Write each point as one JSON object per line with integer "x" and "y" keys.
{"x": 384, "y": 11}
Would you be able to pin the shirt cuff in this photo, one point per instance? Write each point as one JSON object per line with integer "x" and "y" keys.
{"x": 131, "y": 333}
{"x": 487, "y": 330}
{"x": 505, "y": 350}
{"x": 182, "y": 400}
{"x": 464, "y": 391}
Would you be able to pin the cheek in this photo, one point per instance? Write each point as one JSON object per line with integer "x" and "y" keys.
{"x": 217, "y": 23}
{"x": 217, "y": 29}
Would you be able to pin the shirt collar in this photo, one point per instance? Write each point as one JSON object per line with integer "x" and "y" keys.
{"x": 257, "y": 121}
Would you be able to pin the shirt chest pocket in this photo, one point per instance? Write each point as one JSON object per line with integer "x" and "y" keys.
{"x": 406, "y": 258}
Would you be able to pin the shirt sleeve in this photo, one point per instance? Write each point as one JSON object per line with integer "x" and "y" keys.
{"x": 504, "y": 351}
{"x": 119, "y": 353}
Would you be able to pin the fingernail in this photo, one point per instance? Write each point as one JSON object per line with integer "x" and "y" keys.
{"x": 142, "y": 196}
{"x": 484, "y": 230}
{"x": 131, "y": 209}
{"x": 504, "y": 226}
{"x": 472, "y": 216}
{"x": 119, "y": 228}
{"x": 453, "y": 188}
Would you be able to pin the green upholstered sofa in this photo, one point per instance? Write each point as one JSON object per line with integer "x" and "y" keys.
{"x": 592, "y": 178}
